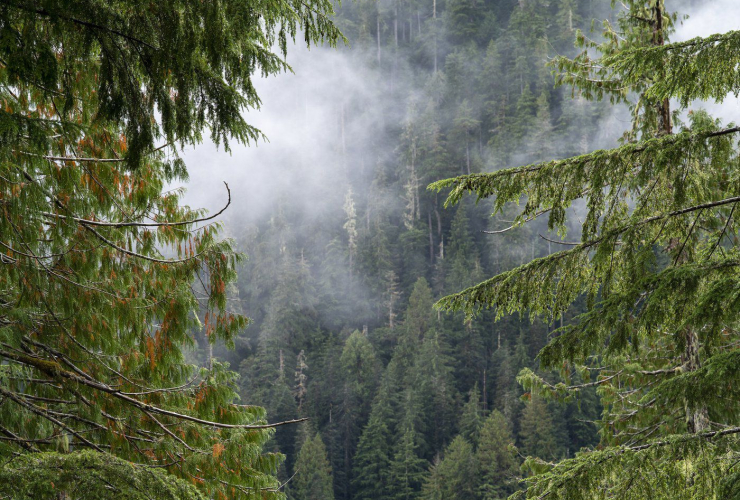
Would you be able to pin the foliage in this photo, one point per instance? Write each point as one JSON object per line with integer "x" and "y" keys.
{"x": 313, "y": 473}
{"x": 88, "y": 475}
{"x": 453, "y": 476}
{"x": 436, "y": 89}
{"x": 657, "y": 262}
{"x": 99, "y": 266}
{"x": 497, "y": 464}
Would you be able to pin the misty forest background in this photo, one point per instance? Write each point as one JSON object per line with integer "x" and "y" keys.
{"x": 348, "y": 251}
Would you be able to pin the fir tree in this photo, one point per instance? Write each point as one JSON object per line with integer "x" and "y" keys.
{"x": 100, "y": 263}
{"x": 360, "y": 366}
{"x": 312, "y": 479}
{"x": 455, "y": 475}
{"x": 471, "y": 418}
{"x": 497, "y": 465}
{"x": 654, "y": 262}
{"x": 407, "y": 469}
{"x": 360, "y": 370}
{"x": 432, "y": 383}
{"x": 372, "y": 461}
{"x": 537, "y": 431}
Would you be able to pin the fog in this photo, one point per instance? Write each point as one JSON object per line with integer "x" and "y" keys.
{"x": 306, "y": 155}
{"x": 338, "y": 129}
{"x": 706, "y": 18}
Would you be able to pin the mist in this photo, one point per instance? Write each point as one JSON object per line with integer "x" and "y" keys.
{"x": 302, "y": 113}
{"x": 706, "y": 18}
{"x": 347, "y": 250}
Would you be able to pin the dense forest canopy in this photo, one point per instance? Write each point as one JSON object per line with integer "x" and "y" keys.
{"x": 583, "y": 343}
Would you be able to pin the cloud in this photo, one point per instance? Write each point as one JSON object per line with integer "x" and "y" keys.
{"x": 706, "y": 18}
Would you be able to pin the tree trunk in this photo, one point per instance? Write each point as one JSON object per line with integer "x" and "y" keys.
{"x": 664, "y": 108}
{"x": 395, "y": 26}
{"x": 377, "y": 32}
{"x": 467, "y": 155}
{"x": 697, "y": 419}
{"x": 434, "y": 26}
{"x": 431, "y": 239}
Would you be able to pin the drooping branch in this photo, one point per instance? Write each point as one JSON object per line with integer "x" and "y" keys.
{"x": 88, "y": 222}
{"x": 483, "y": 294}
{"x": 54, "y": 369}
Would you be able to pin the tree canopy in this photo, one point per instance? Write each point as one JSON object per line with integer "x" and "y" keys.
{"x": 657, "y": 262}
{"x": 104, "y": 275}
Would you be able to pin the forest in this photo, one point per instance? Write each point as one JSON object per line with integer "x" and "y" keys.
{"x": 466, "y": 249}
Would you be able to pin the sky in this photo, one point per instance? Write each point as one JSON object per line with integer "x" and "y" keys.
{"x": 707, "y": 17}
{"x": 300, "y": 115}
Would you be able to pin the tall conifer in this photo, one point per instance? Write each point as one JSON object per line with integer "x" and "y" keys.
{"x": 104, "y": 275}
{"x": 657, "y": 262}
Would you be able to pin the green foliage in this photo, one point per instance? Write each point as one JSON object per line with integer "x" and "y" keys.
{"x": 498, "y": 466}
{"x": 88, "y": 475}
{"x": 191, "y": 62}
{"x": 471, "y": 418}
{"x": 454, "y": 476}
{"x": 360, "y": 364}
{"x": 537, "y": 430}
{"x": 373, "y": 458}
{"x": 462, "y": 91}
{"x": 407, "y": 469}
{"x": 548, "y": 285}
{"x": 313, "y": 472}
{"x": 105, "y": 276}
{"x": 657, "y": 263}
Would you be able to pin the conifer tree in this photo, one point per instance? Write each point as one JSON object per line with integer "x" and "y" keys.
{"x": 462, "y": 262}
{"x": 542, "y": 146}
{"x": 99, "y": 262}
{"x": 432, "y": 384}
{"x": 312, "y": 472}
{"x": 420, "y": 317}
{"x": 372, "y": 461}
{"x": 657, "y": 263}
{"x": 497, "y": 466}
{"x": 359, "y": 370}
{"x": 360, "y": 366}
{"x": 471, "y": 418}
{"x": 537, "y": 432}
{"x": 407, "y": 469}
{"x": 455, "y": 475}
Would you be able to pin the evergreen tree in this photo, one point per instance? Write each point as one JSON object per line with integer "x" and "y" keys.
{"x": 420, "y": 317}
{"x": 542, "y": 141}
{"x": 537, "y": 432}
{"x": 463, "y": 19}
{"x": 463, "y": 127}
{"x": 312, "y": 479}
{"x": 372, "y": 461}
{"x": 462, "y": 260}
{"x": 99, "y": 266}
{"x": 471, "y": 418}
{"x": 497, "y": 465}
{"x": 407, "y": 469}
{"x": 360, "y": 371}
{"x": 360, "y": 365}
{"x": 432, "y": 383}
{"x": 654, "y": 262}
{"x": 455, "y": 475}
